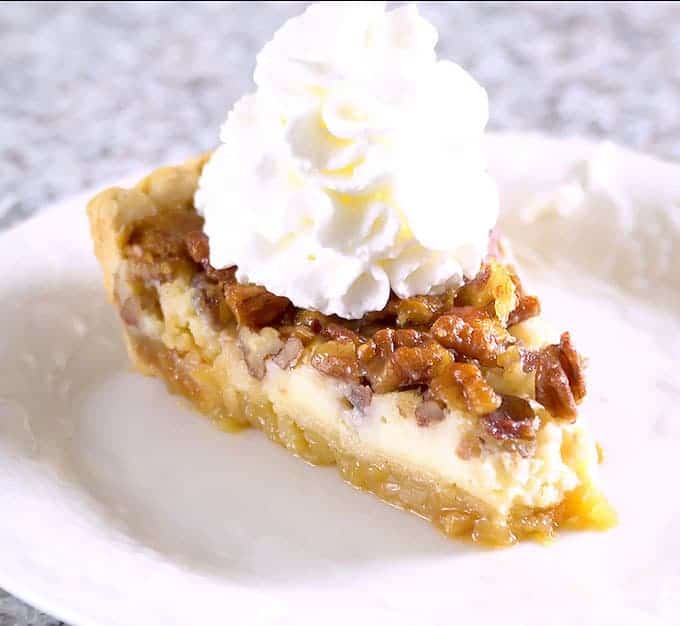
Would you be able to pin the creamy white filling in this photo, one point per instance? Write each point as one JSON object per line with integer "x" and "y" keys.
{"x": 357, "y": 166}
{"x": 500, "y": 479}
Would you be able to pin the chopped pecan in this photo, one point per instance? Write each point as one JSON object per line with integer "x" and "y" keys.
{"x": 337, "y": 359}
{"x": 290, "y": 354}
{"x": 339, "y": 333}
{"x": 208, "y": 300}
{"x": 397, "y": 359}
{"x": 572, "y": 364}
{"x": 472, "y": 333}
{"x": 359, "y": 396}
{"x": 198, "y": 248}
{"x": 527, "y": 307}
{"x": 429, "y": 412}
{"x": 421, "y": 310}
{"x": 492, "y": 287}
{"x": 560, "y": 382}
{"x": 513, "y": 419}
{"x": 462, "y": 386}
{"x": 304, "y": 334}
{"x": 257, "y": 348}
{"x": 253, "y": 305}
{"x": 313, "y": 320}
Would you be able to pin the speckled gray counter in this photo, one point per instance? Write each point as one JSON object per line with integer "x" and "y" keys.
{"x": 90, "y": 92}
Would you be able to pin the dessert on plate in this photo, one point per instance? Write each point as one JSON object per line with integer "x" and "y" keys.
{"x": 331, "y": 275}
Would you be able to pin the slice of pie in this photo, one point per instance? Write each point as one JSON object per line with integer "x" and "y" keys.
{"x": 454, "y": 406}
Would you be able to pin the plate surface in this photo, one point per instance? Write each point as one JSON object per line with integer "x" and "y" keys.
{"x": 120, "y": 506}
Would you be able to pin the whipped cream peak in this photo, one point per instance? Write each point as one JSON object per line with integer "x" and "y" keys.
{"x": 355, "y": 168}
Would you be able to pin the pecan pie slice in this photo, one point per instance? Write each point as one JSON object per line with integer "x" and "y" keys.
{"x": 454, "y": 407}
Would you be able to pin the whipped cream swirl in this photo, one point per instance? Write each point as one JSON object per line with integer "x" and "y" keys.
{"x": 355, "y": 168}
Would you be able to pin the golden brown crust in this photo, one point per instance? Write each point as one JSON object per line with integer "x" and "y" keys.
{"x": 114, "y": 212}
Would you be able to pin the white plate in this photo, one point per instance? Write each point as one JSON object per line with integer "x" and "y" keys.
{"x": 119, "y": 506}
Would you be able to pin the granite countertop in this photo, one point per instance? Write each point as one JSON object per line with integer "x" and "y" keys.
{"x": 90, "y": 92}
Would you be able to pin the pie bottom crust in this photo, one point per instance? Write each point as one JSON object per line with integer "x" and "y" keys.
{"x": 448, "y": 507}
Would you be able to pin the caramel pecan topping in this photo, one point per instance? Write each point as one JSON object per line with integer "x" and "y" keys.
{"x": 339, "y": 333}
{"x": 313, "y": 320}
{"x": 472, "y": 333}
{"x": 445, "y": 345}
{"x": 254, "y": 306}
{"x": 198, "y": 248}
{"x": 421, "y": 310}
{"x": 513, "y": 419}
{"x": 429, "y": 412}
{"x": 560, "y": 383}
{"x": 162, "y": 237}
{"x": 397, "y": 359}
{"x": 337, "y": 359}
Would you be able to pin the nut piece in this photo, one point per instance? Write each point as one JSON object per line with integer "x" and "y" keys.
{"x": 339, "y": 333}
{"x": 513, "y": 419}
{"x": 359, "y": 396}
{"x": 421, "y": 310}
{"x": 207, "y": 298}
{"x": 472, "y": 333}
{"x": 527, "y": 307}
{"x": 462, "y": 386}
{"x": 429, "y": 412}
{"x": 397, "y": 359}
{"x": 198, "y": 248}
{"x": 290, "y": 354}
{"x": 337, "y": 359}
{"x": 257, "y": 348}
{"x": 254, "y": 306}
{"x": 493, "y": 285}
{"x": 560, "y": 383}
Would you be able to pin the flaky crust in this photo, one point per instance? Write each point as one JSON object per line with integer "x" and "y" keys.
{"x": 114, "y": 211}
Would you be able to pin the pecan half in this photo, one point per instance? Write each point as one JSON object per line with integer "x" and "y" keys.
{"x": 560, "y": 383}
{"x": 254, "y": 306}
{"x": 472, "y": 333}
